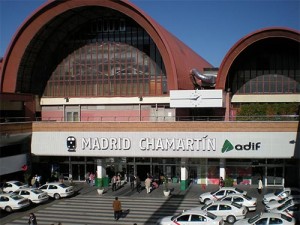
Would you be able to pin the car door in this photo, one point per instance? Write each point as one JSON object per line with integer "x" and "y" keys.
{"x": 198, "y": 219}
{"x": 262, "y": 221}
{"x": 225, "y": 210}
{"x": 238, "y": 199}
{"x": 213, "y": 209}
{"x": 45, "y": 188}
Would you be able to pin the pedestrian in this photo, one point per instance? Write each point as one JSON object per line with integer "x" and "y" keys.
{"x": 132, "y": 179}
{"x": 114, "y": 183}
{"x": 32, "y": 219}
{"x": 138, "y": 184}
{"x": 260, "y": 185}
{"x": 148, "y": 184}
{"x": 221, "y": 182}
{"x": 117, "y": 207}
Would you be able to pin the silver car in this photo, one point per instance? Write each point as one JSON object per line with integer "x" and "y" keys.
{"x": 280, "y": 194}
{"x": 11, "y": 202}
{"x": 267, "y": 219}
{"x": 220, "y": 193}
{"x": 191, "y": 217}
{"x": 245, "y": 200}
{"x": 57, "y": 190}
{"x": 229, "y": 211}
{"x": 274, "y": 204}
{"x": 290, "y": 209}
{"x": 33, "y": 194}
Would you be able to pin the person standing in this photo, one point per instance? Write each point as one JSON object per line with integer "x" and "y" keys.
{"x": 132, "y": 179}
{"x": 138, "y": 184}
{"x": 221, "y": 182}
{"x": 117, "y": 207}
{"x": 260, "y": 185}
{"x": 114, "y": 183}
{"x": 148, "y": 184}
{"x": 32, "y": 219}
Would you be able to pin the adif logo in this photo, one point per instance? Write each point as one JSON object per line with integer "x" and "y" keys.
{"x": 71, "y": 144}
{"x": 228, "y": 146}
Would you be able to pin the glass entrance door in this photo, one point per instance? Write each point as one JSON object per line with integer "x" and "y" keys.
{"x": 275, "y": 176}
{"x": 78, "y": 172}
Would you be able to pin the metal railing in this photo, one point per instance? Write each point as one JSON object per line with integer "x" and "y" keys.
{"x": 154, "y": 118}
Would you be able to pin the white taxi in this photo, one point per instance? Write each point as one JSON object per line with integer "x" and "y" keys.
{"x": 268, "y": 219}
{"x": 11, "y": 186}
{"x": 280, "y": 194}
{"x": 57, "y": 190}
{"x": 220, "y": 193}
{"x": 11, "y": 202}
{"x": 190, "y": 217}
{"x": 34, "y": 195}
{"x": 229, "y": 211}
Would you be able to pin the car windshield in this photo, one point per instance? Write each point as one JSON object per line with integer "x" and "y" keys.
{"x": 282, "y": 200}
{"x": 16, "y": 197}
{"x": 18, "y": 183}
{"x": 236, "y": 205}
{"x": 287, "y": 218}
{"x": 37, "y": 191}
{"x": 239, "y": 190}
{"x": 205, "y": 206}
{"x": 283, "y": 206}
{"x": 210, "y": 215}
{"x": 174, "y": 217}
{"x": 63, "y": 185}
{"x": 278, "y": 192}
{"x": 254, "y": 218}
{"x": 247, "y": 197}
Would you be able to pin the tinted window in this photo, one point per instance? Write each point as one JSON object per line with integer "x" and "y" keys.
{"x": 198, "y": 218}
{"x": 212, "y": 208}
{"x": 220, "y": 193}
{"x": 275, "y": 221}
{"x": 52, "y": 187}
{"x": 262, "y": 221}
{"x": 224, "y": 207}
{"x": 183, "y": 218}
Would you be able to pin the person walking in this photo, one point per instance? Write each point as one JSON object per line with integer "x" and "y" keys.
{"x": 117, "y": 207}
{"x": 32, "y": 219}
{"x": 148, "y": 184}
{"x": 138, "y": 184}
{"x": 260, "y": 185}
{"x": 132, "y": 179}
{"x": 114, "y": 183}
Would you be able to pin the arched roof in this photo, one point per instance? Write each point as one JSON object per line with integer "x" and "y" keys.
{"x": 41, "y": 31}
{"x": 247, "y": 42}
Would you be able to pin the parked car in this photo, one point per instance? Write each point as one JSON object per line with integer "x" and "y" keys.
{"x": 33, "y": 194}
{"x": 192, "y": 217}
{"x": 245, "y": 200}
{"x": 267, "y": 219}
{"x": 11, "y": 186}
{"x": 220, "y": 193}
{"x": 57, "y": 190}
{"x": 280, "y": 194}
{"x": 11, "y": 202}
{"x": 291, "y": 209}
{"x": 229, "y": 211}
{"x": 274, "y": 204}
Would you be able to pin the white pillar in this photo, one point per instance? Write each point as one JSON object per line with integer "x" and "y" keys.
{"x": 101, "y": 171}
{"x": 222, "y": 168}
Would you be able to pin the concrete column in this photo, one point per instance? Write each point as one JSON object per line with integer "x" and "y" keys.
{"x": 184, "y": 182}
{"x": 222, "y": 168}
{"x": 101, "y": 174}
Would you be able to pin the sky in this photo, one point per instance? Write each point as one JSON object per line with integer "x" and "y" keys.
{"x": 209, "y": 27}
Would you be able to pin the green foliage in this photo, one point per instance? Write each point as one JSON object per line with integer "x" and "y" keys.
{"x": 267, "y": 111}
{"x": 100, "y": 183}
{"x": 228, "y": 182}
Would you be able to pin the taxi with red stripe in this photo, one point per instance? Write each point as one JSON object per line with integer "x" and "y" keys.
{"x": 220, "y": 193}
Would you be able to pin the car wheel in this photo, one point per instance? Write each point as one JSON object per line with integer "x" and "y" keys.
{"x": 230, "y": 219}
{"x": 8, "y": 209}
{"x": 56, "y": 196}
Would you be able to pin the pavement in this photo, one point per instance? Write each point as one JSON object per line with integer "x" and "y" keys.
{"x": 193, "y": 190}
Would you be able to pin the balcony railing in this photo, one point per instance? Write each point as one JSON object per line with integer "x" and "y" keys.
{"x": 154, "y": 118}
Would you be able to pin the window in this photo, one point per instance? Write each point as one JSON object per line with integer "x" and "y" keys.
{"x": 220, "y": 193}
{"x": 238, "y": 199}
{"x": 224, "y": 207}
{"x": 52, "y": 187}
{"x": 263, "y": 221}
{"x": 44, "y": 187}
{"x": 198, "y": 218}
{"x": 183, "y": 218}
{"x": 213, "y": 208}
{"x": 275, "y": 221}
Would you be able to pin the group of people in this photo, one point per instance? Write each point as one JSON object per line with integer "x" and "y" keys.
{"x": 36, "y": 181}
{"x": 116, "y": 181}
{"x": 90, "y": 178}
